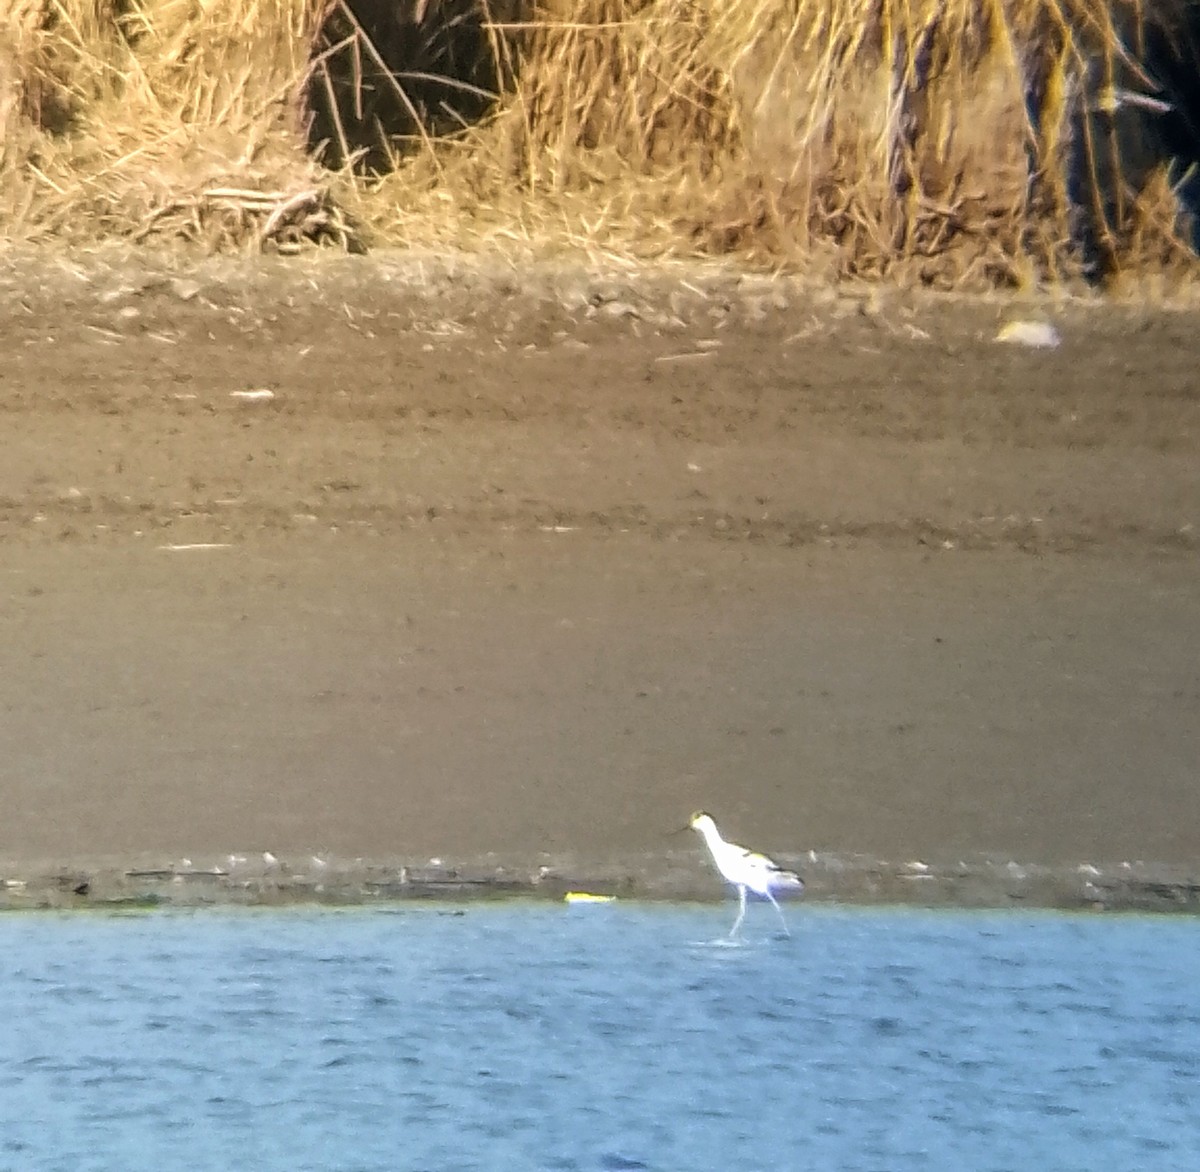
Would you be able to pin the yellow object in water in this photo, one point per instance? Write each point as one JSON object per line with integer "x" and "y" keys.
{"x": 587, "y": 897}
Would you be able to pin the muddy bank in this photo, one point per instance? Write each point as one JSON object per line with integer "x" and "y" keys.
{"x": 239, "y": 880}
{"x": 529, "y": 569}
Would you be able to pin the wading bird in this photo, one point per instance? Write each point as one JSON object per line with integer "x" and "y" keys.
{"x": 745, "y": 869}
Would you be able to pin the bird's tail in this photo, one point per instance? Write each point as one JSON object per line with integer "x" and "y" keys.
{"x": 787, "y": 880}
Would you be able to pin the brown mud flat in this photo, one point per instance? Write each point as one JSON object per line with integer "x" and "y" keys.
{"x": 240, "y": 881}
{"x": 514, "y": 570}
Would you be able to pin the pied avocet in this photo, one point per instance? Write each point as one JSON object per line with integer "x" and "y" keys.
{"x": 746, "y": 870}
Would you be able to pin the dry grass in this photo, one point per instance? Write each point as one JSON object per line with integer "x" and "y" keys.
{"x": 867, "y": 137}
{"x": 164, "y": 116}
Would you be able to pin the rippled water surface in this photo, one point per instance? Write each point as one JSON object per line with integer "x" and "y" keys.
{"x": 529, "y": 1036}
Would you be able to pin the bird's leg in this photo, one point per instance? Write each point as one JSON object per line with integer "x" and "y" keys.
{"x": 779, "y": 912}
{"x": 741, "y": 912}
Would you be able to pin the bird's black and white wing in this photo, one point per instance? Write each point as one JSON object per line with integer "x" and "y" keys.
{"x": 780, "y": 876}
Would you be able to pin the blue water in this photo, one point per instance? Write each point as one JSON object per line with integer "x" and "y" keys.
{"x": 530, "y": 1036}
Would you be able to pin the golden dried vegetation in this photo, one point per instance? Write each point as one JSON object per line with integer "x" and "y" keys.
{"x": 876, "y": 138}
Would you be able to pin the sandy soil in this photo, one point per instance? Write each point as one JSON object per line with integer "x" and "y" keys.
{"x": 515, "y": 570}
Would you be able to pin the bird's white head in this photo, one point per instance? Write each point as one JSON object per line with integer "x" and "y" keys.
{"x": 702, "y": 822}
